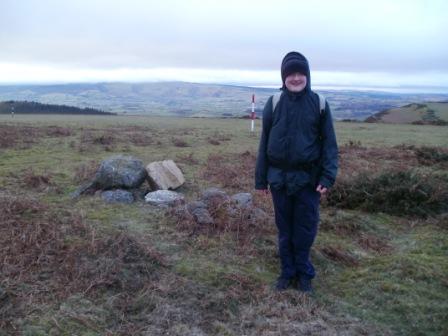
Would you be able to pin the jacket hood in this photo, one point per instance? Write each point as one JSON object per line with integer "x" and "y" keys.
{"x": 295, "y": 62}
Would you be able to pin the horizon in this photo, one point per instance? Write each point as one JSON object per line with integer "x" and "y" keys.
{"x": 361, "y": 88}
{"x": 45, "y": 75}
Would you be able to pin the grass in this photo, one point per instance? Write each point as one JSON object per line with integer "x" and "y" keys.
{"x": 378, "y": 273}
{"x": 375, "y": 135}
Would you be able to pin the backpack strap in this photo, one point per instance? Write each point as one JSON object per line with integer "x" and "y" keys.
{"x": 321, "y": 103}
{"x": 276, "y": 98}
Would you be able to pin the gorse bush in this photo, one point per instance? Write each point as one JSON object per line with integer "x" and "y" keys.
{"x": 402, "y": 193}
{"x": 432, "y": 155}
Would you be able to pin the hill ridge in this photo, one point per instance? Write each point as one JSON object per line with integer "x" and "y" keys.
{"x": 428, "y": 113}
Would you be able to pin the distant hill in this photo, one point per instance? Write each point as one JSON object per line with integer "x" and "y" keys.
{"x": 198, "y": 100}
{"x": 30, "y": 107}
{"x": 164, "y": 98}
{"x": 435, "y": 113}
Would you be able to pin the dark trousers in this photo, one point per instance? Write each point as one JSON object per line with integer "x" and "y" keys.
{"x": 296, "y": 217}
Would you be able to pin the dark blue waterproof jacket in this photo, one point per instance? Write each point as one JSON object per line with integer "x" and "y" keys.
{"x": 298, "y": 143}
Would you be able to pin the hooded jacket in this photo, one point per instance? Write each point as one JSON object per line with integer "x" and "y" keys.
{"x": 298, "y": 143}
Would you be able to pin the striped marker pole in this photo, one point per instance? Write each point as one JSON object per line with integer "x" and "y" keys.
{"x": 252, "y": 115}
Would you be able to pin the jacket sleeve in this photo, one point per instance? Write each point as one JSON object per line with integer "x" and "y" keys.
{"x": 261, "y": 169}
{"x": 329, "y": 154}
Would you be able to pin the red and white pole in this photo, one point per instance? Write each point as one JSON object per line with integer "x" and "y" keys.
{"x": 252, "y": 115}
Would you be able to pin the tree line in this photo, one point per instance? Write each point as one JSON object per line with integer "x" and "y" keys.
{"x": 31, "y": 107}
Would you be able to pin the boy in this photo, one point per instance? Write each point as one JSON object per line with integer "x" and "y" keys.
{"x": 297, "y": 158}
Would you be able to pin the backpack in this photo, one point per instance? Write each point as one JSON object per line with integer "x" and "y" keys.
{"x": 276, "y": 99}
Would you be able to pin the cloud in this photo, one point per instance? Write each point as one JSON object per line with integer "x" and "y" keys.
{"x": 346, "y": 36}
{"x": 46, "y": 74}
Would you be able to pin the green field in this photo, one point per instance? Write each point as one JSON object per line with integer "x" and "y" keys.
{"x": 84, "y": 267}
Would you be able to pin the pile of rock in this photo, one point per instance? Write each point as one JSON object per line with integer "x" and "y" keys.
{"x": 119, "y": 177}
{"x": 215, "y": 203}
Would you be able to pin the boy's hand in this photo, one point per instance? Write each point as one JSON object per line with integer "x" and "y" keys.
{"x": 322, "y": 190}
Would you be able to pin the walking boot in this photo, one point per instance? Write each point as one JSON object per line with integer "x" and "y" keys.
{"x": 282, "y": 284}
{"x": 304, "y": 285}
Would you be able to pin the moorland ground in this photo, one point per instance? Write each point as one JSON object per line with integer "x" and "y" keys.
{"x": 85, "y": 267}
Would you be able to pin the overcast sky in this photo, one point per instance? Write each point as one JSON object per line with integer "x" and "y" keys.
{"x": 363, "y": 43}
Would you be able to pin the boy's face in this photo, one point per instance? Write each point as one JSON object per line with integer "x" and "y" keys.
{"x": 295, "y": 82}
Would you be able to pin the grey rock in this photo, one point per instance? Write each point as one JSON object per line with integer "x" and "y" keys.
{"x": 164, "y": 175}
{"x": 234, "y": 210}
{"x": 192, "y": 206}
{"x": 117, "y": 196}
{"x": 181, "y": 213}
{"x": 256, "y": 215}
{"x": 198, "y": 210}
{"x": 118, "y": 171}
{"x": 164, "y": 198}
{"x": 214, "y": 196}
{"x": 202, "y": 216}
{"x": 121, "y": 171}
{"x": 242, "y": 199}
